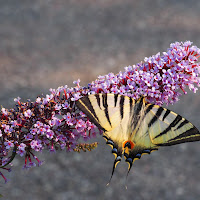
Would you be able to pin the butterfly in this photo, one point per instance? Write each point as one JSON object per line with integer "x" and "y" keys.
{"x": 134, "y": 127}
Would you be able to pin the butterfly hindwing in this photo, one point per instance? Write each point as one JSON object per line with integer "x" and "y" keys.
{"x": 168, "y": 128}
{"x": 157, "y": 126}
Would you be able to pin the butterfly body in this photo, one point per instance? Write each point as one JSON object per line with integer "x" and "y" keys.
{"x": 134, "y": 127}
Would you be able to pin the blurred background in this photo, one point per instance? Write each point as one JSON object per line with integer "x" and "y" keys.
{"x": 48, "y": 43}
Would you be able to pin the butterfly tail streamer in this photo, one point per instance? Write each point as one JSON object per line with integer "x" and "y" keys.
{"x": 117, "y": 160}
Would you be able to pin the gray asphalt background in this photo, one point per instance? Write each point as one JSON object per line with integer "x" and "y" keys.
{"x": 48, "y": 43}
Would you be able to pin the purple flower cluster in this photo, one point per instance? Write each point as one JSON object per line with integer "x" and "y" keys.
{"x": 54, "y": 122}
{"x": 159, "y": 78}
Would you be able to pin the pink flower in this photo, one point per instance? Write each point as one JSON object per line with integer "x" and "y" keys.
{"x": 28, "y": 113}
{"x": 21, "y": 149}
{"x": 8, "y": 144}
{"x": 50, "y": 134}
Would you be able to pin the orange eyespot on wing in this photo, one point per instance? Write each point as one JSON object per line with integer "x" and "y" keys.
{"x": 128, "y": 144}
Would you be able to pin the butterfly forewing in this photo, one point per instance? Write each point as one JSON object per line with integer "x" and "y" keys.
{"x": 109, "y": 112}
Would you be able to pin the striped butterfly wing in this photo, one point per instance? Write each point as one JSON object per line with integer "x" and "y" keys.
{"x": 111, "y": 113}
{"x": 157, "y": 127}
{"x": 168, "y": 128}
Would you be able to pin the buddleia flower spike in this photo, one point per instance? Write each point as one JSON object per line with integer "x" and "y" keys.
{"x": 110, "y": 105}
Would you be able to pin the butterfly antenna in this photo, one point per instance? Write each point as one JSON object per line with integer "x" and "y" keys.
{"x": 117, "y": 160}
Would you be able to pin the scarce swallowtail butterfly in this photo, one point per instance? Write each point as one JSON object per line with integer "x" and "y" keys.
{"x": 134, "y": 127}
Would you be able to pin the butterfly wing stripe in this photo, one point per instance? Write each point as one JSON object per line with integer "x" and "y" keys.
{"x": 136, "y": 113}
{"x": 191, "y": 132}
{"x": 116, "y": 98}
{"x": 131, "y": 105}
{"x": 174, "y": 123}
{"x": 105, "y": 105}
{"x": 148, "y": 109}
{"x": 85, "y": 102}
{"x": 166, "y": 114}
{"x": 138, "y": 106}
{"x": 86, "y": 107}
{"x": 156, "y": 116}
{"x": 98, "y": 100}
{"x": 182, "y": 124}
{"x": 190, "y": 135}
{"x": 122, "y": 106}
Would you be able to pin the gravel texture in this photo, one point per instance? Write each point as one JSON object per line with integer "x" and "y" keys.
{"x": 48, "y": 43}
